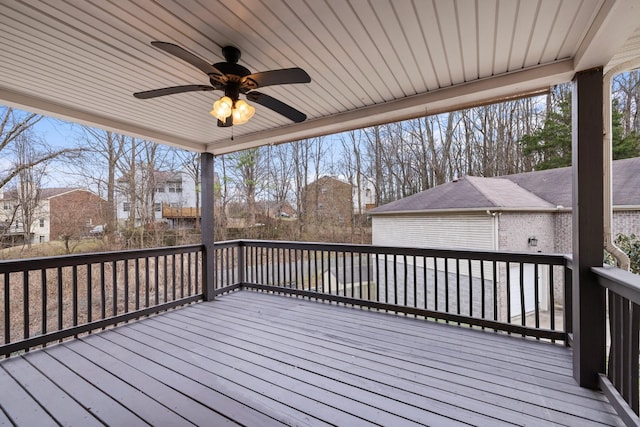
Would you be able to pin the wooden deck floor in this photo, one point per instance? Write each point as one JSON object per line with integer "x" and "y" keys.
{"x": 258, "y": 359}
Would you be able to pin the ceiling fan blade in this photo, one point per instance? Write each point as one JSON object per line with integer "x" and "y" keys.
{"x": 280, "y": 77}
{"x": 171, "y": 90}
{"x": 277, "y": 106}
{"x": 187, "y": 56}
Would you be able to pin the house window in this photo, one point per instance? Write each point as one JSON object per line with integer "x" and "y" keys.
{"x": 160, "y": 189}
{"x": 126, "y": 206}
{"x": 323, "y": 190}
{"x": 7, "y": 206}
{"x": 41, "y": 222}
{"x": 41, "y": 239}
{"x": 175, "y": 187}
{"x": 158, "y": 207}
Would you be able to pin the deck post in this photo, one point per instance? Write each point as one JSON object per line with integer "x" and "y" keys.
{"x": 207, "y": 225}
{"x": 588, "y": 224}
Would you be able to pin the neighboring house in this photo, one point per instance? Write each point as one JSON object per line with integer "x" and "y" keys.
{"x": 364, "y": 196}
{"x": 172, "y": 200}
{"x": 328, "y": 201}
{"x": 60, "y": 212}
{"x": 523, "y": 212}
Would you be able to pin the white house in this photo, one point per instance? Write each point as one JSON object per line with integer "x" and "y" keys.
{"x": 174, "y": 193}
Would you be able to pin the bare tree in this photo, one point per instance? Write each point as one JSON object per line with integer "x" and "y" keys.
{"x": 13, "y": 126}
{"x": 104, "y": 149}
{"x": 248, "y": 173}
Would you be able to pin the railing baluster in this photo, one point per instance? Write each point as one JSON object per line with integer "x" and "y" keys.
{"x": 60, "y": 299}
{"x": 458, "y": 300}
{"x": 508, "y": 289}
{"x": 43, "y": 290}
{"x": 25, "y": 304}
{"x": 424, "y": 282}
{"x": 7, "y": 309}
{"x": 126, "y": 285}
{"x": 377, "y": 278}
{"x": 536, "y": 294}
{"x": 74, "y": 283}
{"x": 446, "y": 285}
{"x": 415, "y": 282}
{"x": 552, "y": 301}
{"x": 386, "y": 279}
{"x": 470, "y": 275}
{"x": 435, "y": 283}
{"x": 483, "y": 297}
{"x": 114, "y": 287}
{"x": 173, "y": 276}
{"x": 368, "y": 277}
{"x": 146, "y": 282}
{"x": 405, "y": 279}
{"x": 156, "y": 278}
{"x": 89, "y": 293}
{"x": 344, "y": 273}
{"x": 231, "y": 266}
{"x": 353, "y": 281}
{"x": 395, "y": 280}
{"x": 494, "y": 266}
{"x": 522, "y": 301}
{"x": 103, "y": 292}
{"x": 322, "y": 273}
{"x": 136, "y": 269}
{"x": 166, "y": 278}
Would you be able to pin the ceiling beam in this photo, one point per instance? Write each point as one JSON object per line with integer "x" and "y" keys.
{"x": 51, "y": 109}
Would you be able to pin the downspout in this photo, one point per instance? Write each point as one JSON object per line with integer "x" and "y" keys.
{"x": 621, "y": 258}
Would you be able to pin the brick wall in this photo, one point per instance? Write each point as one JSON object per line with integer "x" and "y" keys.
{"x": 625, "y": 222}
{"x": 75, "y": 213}
{"x": 515, "y": 228}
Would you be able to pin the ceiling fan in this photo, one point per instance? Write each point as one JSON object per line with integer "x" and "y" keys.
{"x": 233, "y": 79}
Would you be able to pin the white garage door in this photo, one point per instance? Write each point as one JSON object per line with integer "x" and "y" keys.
{"x": 473, "y": 231}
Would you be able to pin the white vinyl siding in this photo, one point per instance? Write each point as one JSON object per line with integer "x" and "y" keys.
{"x": 472, "y": 231}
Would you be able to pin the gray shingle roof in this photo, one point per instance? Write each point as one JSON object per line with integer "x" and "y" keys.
{"x": 538, "y": 190}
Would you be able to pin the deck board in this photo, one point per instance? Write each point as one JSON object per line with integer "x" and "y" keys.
{"x": 253, "y": 358}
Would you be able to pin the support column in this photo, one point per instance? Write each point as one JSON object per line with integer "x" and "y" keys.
{"x": 207, "y": 224}
{"x": 587, "y": 163}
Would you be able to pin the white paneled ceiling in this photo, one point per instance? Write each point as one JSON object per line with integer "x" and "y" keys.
{"x": 370, "y": 61}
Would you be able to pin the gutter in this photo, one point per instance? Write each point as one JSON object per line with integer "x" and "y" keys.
{"x": 621, "y": 258}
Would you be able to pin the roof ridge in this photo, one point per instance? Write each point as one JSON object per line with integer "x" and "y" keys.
{"x": 504, "y": 179}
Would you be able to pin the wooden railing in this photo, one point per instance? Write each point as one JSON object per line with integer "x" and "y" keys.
{"x": 520, "y": 293}
{"x": 621, "y": 381}
{"x": 51, "y": 299}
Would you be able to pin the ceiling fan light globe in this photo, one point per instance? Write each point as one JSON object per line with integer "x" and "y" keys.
{"x": 222, "y": 108}
{"x": 242, "y": 112}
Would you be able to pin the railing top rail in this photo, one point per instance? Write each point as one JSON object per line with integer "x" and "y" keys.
{"x": 525, "y": 257}
{"x": 27, "y": 264}
{"x": 622, "y": 282}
